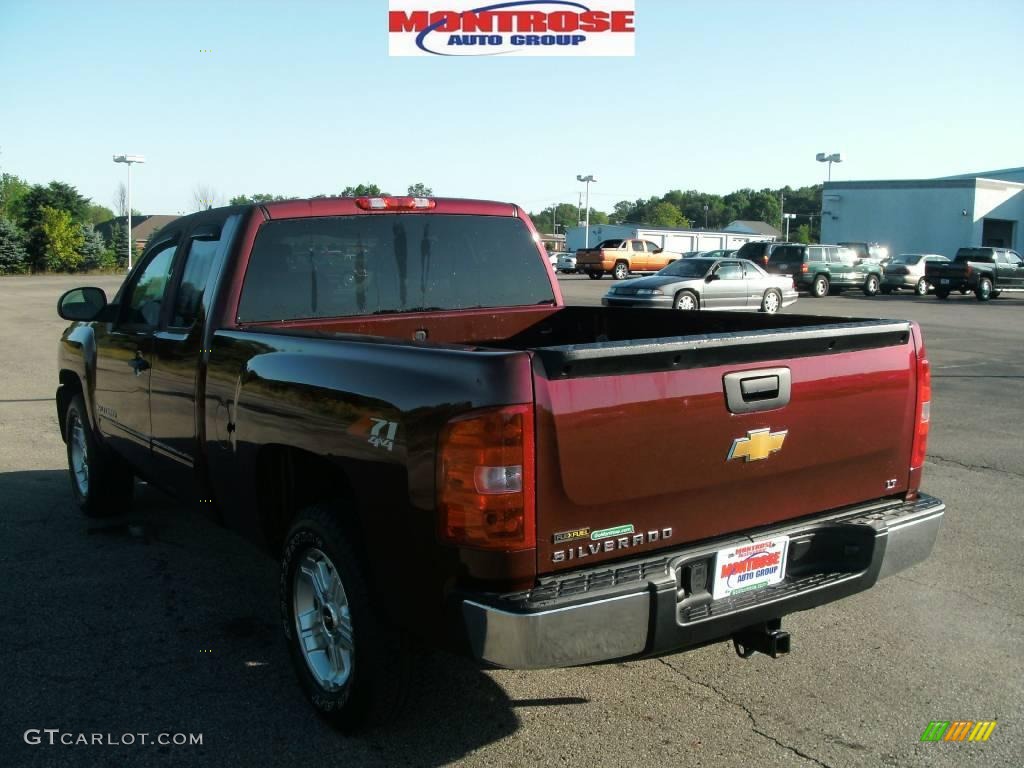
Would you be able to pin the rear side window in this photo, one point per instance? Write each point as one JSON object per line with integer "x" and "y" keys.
{"x": 637, "y": 245}
{"x": 751, "y": 250}
{"x": 341, "y": 266}
{"x": 609, "y": 244}
{"x": 785, "y": 254}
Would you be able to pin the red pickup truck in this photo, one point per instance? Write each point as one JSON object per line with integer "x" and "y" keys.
{"x": 391, "y": 397}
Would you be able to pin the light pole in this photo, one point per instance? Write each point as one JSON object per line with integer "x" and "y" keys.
{"x": 705, "y": 215}
{"x": 788, "y": 217}
{"x": 586, "y": 232}
{"x": 825, "y": 157}
{"x": 128, "y": 160}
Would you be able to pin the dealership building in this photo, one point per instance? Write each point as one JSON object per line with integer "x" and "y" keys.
{"x": 927, "y": 215}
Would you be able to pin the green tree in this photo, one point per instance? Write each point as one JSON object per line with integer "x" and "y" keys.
{"x": 57, "y": 196}
{"x": 61, "y": 238}
{"x": 97, "y": 214}
{"x": 667, "y": 215}
{"x": 255, "y": 199}
{"x": 12, "y": 193}
{"x": 419, "y": 189}
{"x": 620, "y": 212}
{"x": 12, "y": 249}
{"x": 363, "y": 190}
{"x": 93, "y": 251}
{"x": 803, "y": 234}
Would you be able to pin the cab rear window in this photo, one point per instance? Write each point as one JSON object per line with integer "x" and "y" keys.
{"x": 342, "y": 266}
{"x": 973, "y": 254}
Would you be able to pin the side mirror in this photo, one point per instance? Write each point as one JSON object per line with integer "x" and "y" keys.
{"x": 712, "y": 277}
{"x": 82, "y": 304}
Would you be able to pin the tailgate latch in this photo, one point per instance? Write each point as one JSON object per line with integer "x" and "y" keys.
{"x": 761, "y": 390}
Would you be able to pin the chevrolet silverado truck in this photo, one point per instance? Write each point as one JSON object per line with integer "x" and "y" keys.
{"x": 620, "y": 258}
{"x": 389, "y": 395}
{"x": 986, "y": 271}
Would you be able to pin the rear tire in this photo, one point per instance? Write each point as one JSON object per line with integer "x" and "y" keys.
{"x": 101, "y": 482}
{"x": 921, "y": 289}
{"x": 820, "y": 286}
{"x": 941, "y": 293}
{"x": 595, "y": 275}
{"x": 686, "y": 301}
{"x": 621, "y": 271}
{"x": 772, "y": 301}
{"x": 353, "y": 669}
{"x": 984, "y": 290}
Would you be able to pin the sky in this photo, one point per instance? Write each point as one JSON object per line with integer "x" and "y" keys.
{"x": 301, "y": 98}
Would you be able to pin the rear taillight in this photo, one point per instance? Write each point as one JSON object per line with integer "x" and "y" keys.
{"x": 969, "y": 270}
{"x": 804, "y": 268}
{"x": 924, "y": 410}
{"x": 395, "y": 203}
{"x": 485, "y": 486}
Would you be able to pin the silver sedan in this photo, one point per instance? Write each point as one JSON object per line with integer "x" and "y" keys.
{"x": 702, "y": 283}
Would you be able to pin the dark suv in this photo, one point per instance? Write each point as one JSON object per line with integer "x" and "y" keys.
{"x": 759, "y": 252}
{"x": 825, "y": 269}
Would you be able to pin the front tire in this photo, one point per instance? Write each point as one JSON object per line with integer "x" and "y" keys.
{"x": 921, "y": 289}
{"x": 353, "y": 668}
{"x": 820, "y": 286}
{"x": 772, "y": 301}
{"x": 686, "y": 301}
{"x": 984, "y": 290}
{"x": 871, "y": 286}
{"x": 941, "y": 293}
{"x": 101, "y": 482}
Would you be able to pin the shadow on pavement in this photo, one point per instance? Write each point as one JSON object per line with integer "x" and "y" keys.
{"x": 164, "y": 622}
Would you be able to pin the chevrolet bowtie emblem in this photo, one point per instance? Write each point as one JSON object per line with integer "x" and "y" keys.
{"x": 758, "y": 444}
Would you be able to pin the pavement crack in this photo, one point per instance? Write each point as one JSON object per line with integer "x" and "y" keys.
{"x": 965, "y": 465}
{"x": 750, "y": 716}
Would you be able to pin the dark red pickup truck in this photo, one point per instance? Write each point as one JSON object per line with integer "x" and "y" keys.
{"x": 389, "y": 394}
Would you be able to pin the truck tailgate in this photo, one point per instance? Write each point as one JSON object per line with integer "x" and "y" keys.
{"x": 634, "y": 440}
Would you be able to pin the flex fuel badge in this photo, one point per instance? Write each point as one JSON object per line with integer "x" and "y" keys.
{"x": 573, "y": 535}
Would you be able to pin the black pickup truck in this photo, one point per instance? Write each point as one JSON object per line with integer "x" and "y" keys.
{"x": 986, "y": 271}
{"x": 390, "y": 396}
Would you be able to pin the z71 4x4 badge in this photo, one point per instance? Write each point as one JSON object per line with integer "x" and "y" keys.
{"x": 382, "y": 434}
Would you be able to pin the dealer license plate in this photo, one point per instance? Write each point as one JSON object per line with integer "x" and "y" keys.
{"x": 749, "y": 566}
{"x": 783, "y": 266}
{"x": 944, "y": 280}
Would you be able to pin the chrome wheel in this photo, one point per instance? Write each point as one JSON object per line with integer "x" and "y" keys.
{"x": 771, "y": 302}
{"x": 323, "y": 620}
{"x": 921, "y": 289}
{"x": 686, "y": 302}
{"x": 621, "y": 271}
{"x": 79, "y": 455}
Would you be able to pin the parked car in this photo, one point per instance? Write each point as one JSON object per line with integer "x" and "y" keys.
{"x": 706, "y": 283}
{"x": 553, "y": 259}
{"x": 566, "y": 263}
{"x": 620, "y": 258}
{"x": 421, "y": 436}
{"x": 825, "y": 269}
{"x": 719, "y": 254}
{"x": 907, "y": 271}
{"x": 758, "y": 252}
{"x": 693, "y": 254}
{"x": 986, "y": 271}
{"x": 864, "y": 251}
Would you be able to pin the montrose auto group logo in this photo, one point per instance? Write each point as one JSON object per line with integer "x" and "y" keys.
{"x": 516, "y": 28}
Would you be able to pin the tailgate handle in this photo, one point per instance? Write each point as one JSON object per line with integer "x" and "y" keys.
{"x": 761, "y": 390}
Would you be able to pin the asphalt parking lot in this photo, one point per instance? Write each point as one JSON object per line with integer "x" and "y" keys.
{"x": 165, "y": 623}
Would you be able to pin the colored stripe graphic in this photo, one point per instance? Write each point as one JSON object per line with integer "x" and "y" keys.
{"x": 958, "y": 730}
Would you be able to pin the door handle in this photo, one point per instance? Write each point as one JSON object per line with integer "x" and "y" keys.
{"x": 138, "y": 363}
{"x": 759, "y": 390}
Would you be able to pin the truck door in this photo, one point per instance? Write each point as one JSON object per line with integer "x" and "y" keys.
{"x": 177, "y": 379}
{"x": 638, "y": 257}
{"x": 124, "y": 358}
{"x": 1014, "y": 270}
